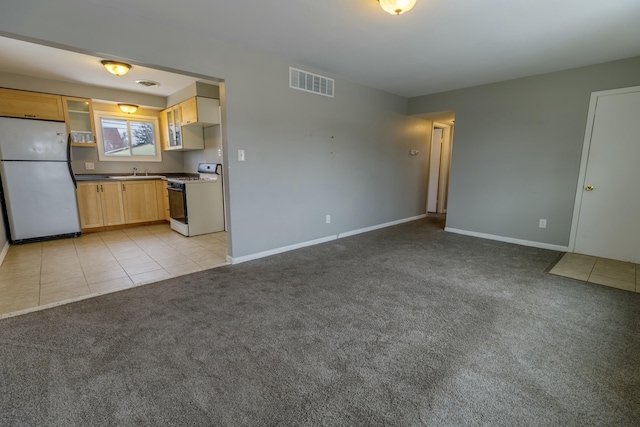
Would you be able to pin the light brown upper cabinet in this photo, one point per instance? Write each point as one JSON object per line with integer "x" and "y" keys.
{"x": 183, "y": 124}
{"x": 78, "y": 113}
{"x": 31, "y": 105}
{"x": 171, "y": 128}
{"x": 200, "y": 110}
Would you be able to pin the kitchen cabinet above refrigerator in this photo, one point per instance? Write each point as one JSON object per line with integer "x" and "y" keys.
{"x": 30, "y": 105}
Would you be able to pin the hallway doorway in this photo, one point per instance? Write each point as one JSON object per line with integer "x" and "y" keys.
{"x": 439, "y": 165}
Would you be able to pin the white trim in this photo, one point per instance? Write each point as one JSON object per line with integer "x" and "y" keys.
{"x": 531, "y": 243}
{"x": 379, "y": 226}
{"x": 251, "y": 257}
{"x": 99, "y": 114}
{"x": 4, "y": 251}
{"x": 586, "y": 146}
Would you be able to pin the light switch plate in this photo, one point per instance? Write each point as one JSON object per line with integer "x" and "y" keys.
{"x": 241, "y": 155}
{"x": 89, "y": 165}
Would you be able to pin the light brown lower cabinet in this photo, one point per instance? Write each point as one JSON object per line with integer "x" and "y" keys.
{"x": 100, "y": 204}
{"x": 162, "y": 194}
{"x": 109, "y": 203}
{"x": 140, "y": 201}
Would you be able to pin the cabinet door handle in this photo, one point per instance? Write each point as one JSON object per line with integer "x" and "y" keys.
{"x": 97, "y": 188}
{"x": 101, "y": 188}
{"x": 30, "y": 115}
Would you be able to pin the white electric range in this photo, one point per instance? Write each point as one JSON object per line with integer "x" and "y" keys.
{"x": 196, "y": 203}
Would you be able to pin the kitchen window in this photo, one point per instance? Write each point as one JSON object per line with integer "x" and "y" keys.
{"x": 123, "y": 137}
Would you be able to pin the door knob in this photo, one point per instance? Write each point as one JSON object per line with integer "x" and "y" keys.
{"x": 589, "y": 187}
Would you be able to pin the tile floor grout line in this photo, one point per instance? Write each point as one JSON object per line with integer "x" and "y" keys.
{"x": 81, "y": 269}
{"x": 592, "y": 268}
{"x": 149, "y": 255}
{"x": 40, "y": 275}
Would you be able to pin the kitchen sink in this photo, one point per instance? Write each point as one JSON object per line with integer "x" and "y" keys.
{"x": 131, "y": 177}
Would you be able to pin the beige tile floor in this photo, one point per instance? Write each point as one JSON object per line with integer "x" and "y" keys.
{"x": 37, "y": 275}
{"x": 607, "y": 272}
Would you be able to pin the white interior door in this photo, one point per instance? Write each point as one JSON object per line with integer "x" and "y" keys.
{"x": 434, "y": 170}
{"x": 608, "y": 222}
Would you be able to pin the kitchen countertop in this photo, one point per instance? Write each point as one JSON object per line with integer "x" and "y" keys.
{"x": 105, "y": 177}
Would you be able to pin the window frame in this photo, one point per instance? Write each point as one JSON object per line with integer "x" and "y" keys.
{"x": 154, "y": 121}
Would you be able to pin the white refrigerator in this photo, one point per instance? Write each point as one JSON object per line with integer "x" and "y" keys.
{"x": 38, "y": 186}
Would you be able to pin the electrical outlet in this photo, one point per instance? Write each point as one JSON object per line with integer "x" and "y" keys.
{"x": 543, "y": 223}
{"x": 89, "y": 165}
{"x": 328, "y": 219}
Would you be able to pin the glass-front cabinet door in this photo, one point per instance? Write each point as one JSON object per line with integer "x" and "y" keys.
{"x": 171, "y": 128}
{"x": 78, "y": 114}
{"x": 172, "y": 131}
{"x": 177, "y": 120}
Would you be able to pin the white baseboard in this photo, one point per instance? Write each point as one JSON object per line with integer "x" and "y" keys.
{"x": 5, "y": 249}
{"x": 238, "y": 260}
{"x": 509, "y": 240}
{"x": 379, "y": 226}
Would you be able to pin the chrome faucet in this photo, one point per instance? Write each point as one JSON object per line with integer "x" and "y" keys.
{"x": 135, "y": 171}
{"x": 146, "y": 172}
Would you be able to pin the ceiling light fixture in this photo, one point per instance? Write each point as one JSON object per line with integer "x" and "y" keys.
{"x": 116, "y": 68}
{"x": 397, "y": 7}
{"x": 128, "y": 108}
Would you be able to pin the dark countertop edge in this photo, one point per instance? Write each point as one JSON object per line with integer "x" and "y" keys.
{"x": 105, "y": 177}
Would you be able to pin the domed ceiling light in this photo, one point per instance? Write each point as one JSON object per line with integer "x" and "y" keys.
{"x": 116, "y": 68}
{"x": 128, "y": 108}
{"x": 397, "y": 7}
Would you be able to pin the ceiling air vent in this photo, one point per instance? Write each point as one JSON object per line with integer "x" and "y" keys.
{"x": 147, "y": 83}
{"x": 310, "y": 82}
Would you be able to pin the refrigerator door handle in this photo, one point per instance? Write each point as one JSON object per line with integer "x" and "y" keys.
{"x": 73, "y": 177}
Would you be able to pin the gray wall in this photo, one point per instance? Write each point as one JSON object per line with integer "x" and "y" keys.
{"x": 212, "y": 152}
{"x": 307, "y": 155}
{"x": 517, "y": 149}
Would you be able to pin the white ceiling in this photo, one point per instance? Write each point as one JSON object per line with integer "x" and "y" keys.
{"x": 439, "y": 45}
{"x": 20, "y": 57}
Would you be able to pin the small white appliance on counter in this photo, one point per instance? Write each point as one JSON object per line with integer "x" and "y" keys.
{"x": 196, "y": 203}
{"x": 38, "y": 186}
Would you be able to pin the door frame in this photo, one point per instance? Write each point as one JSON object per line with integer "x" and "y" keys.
{"x": 586, "y": 146}
{"x": 443, "y": 184}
